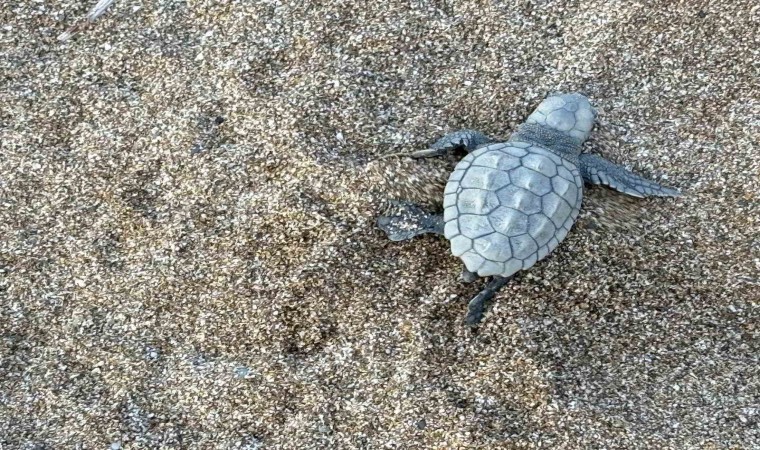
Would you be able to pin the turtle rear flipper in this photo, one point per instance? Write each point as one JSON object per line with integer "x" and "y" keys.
{"x": 597, "y": 170}
{"x": 477, "y": 306}
{"x": 409, "y": 221}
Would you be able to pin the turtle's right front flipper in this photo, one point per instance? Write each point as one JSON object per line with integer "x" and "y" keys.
{"x": 409, "y": 221}
{"x": 597, "y": 170}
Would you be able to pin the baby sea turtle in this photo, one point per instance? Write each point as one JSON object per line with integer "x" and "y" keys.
{"x": 509, "y": 204}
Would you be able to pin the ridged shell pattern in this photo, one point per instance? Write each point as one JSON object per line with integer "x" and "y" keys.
{"x": 508, "y": 205}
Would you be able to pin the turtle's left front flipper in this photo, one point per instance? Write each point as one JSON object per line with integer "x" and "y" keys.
{"x": 597, "y": 170}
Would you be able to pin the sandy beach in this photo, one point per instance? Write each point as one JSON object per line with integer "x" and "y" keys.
{"x": 188, "y": 250}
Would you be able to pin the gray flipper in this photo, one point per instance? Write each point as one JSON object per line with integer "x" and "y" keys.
{"x": 409, "y": 221}
{"x": 477, "y": 305}
{"x": 463, "y": 139}
{"x": 597, "y": 170}
{"x": 466, "y": 139}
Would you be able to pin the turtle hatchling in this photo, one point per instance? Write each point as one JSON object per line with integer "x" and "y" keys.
{"x": 508, "y": 204}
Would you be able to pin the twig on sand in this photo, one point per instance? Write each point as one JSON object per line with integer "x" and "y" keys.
{"x": 98, "y": 10}
{"x": 414, "y": 155}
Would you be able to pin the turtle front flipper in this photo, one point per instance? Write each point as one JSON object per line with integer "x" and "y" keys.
{"x": 463, "y": 139}
{"x": 597, "y": 170}
{"x": 409, "y": 221}
{"x": 467, "y": 140}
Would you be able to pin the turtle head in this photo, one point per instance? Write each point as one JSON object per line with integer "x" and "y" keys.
{"x": 571, "y": 114}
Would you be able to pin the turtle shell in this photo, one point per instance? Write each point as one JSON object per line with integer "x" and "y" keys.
{"x": 508, "y": 205}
